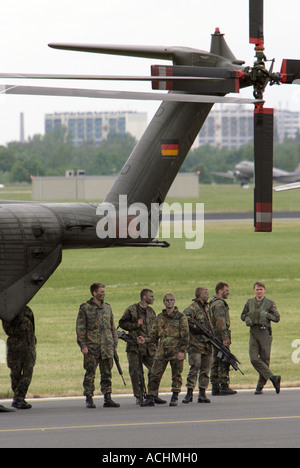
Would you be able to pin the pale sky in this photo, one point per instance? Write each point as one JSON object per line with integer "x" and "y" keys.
{"x": 26, "y": 28}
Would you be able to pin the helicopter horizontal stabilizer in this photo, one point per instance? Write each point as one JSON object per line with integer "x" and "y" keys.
{"x": 148, "y": 52}
{"x": 132, "y": 95}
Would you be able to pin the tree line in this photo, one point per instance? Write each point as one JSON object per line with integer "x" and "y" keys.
{"x": 53, "y": 154}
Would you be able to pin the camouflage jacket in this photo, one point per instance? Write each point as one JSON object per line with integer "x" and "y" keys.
{"x": 260, "y": 313}
{"x": 21, "y": 330}
{"x": 219, "y": 315}
{"x": 129, "y": 323}
{"x": 198, "y": 343}
{"x": 95, "y": 329}
{"x": 171, "y": 333}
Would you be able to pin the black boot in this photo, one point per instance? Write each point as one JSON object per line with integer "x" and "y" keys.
{"x": 188, "y": 397}
{"x": 174, "y": 399}
{"x": 202, "y": 398}
{"x": 226, "y": 390}
{"x": 215, "y": 390}
{"x": 5, "y": 410}
{"x": 108, "y": 402}
{"x": 20, "y": 403}
{"x": 159, "y": 401}
{"x": 89, "y": 403}
{"x": 276, "y": 379}
{"x": 149, "y": 401}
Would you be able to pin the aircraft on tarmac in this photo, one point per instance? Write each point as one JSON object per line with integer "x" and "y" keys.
{"x": 282, "y": 188}
{"x": 244, "y": 172}
{"x": 33, "y": 235}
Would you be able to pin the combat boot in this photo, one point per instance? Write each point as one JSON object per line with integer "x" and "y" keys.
{"x": 276, "y": 379}
{"x": 109, "y": 403}
{"x": 149, "y": 401}
{"x": 174, "y": 399}
{"x": 20, "y": 403}
{"x": 89, "y": 403}
{"x": 226, "y": 390}
{"x": 188, "y": 397}
{"x": 215, "y": 391}
{"x": 159, "y": 401}
{"x": 202, "y": 398}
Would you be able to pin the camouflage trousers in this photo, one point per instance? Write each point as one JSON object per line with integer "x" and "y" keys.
{"x": 133, "y": 367}
{"x": 90, "y": 364}
{"x": 199, "y": 365}
{"x": 21, "y": 361}
{"x": 219, "y": 370}
{"x": 157, "y": 371}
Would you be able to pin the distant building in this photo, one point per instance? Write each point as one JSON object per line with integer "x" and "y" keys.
{"x": 95, "y": 126}
{"x": 233, "y": 127}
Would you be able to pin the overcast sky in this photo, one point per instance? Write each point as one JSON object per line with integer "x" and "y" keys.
{"x": 26, "y": 27}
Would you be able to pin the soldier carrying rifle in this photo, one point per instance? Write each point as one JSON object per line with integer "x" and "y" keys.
{"x": 138, "y": 320}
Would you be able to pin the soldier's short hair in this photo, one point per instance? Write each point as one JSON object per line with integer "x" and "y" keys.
{"x": 168, "y": 294}
{"x": 221, "y": 285}
{"x": 95, "y": 286}
{"x": 260, "y": 284}
{"x": 199, "y": 290}
{"x": 145, "y": 291}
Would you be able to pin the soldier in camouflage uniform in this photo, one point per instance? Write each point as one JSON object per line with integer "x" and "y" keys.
{"x": 199, "y": 350}
{"x": 171, "y": 332}
{"x": 219, "y": 314}
{"x": 258, "y": 314}
{"x": 138, "y": 320}
{"x": 97, "y": 339}
{"x": 21, "y": 354}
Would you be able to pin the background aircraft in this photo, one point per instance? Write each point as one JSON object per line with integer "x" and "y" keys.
{"x": 281, "y": 188}
{"x": 244, "y": 172}
{"x": 33, "y": 235}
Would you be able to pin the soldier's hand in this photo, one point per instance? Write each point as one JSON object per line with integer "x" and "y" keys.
{"x": 180, "y": 356}
{"x": 140, "y": 322}
{"x": 85, "y": 351}
{"x": 140, "y": 340}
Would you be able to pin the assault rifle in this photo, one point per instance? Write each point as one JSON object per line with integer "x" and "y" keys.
{"x": 143, "y": 390}
{"x": 117, "y": 361}
{"x": 224, "y": 353}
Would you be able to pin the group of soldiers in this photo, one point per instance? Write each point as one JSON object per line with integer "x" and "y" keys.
{"x": 153, "y": 341}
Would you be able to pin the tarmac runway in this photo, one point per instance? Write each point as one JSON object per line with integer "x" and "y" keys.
{"x": 240, "y": 421}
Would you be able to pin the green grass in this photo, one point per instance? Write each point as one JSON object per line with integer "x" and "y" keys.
{"x": 232, "y": 252}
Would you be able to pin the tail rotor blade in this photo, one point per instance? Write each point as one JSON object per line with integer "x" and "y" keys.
{"x": 290, "y": 71}
{"x": 256, "y": 30}
{"x": 263, "y": 162}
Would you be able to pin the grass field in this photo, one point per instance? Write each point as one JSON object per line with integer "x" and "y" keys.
{"x": 232, "y": 252}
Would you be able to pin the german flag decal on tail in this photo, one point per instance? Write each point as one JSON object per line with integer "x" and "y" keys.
{"x": 169, "y": 148}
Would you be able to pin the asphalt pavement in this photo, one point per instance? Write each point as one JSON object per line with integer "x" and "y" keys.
{"x": 240, "y": 421}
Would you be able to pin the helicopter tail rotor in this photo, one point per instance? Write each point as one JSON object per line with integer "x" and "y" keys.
{"x": 290, "y": 71}
{"x": 256, "y": 22}
{"x": 263, "y": 163}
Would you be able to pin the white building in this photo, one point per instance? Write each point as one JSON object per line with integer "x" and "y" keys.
{"x": 95, "y": 126}
{"x": 232, "y": 127}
